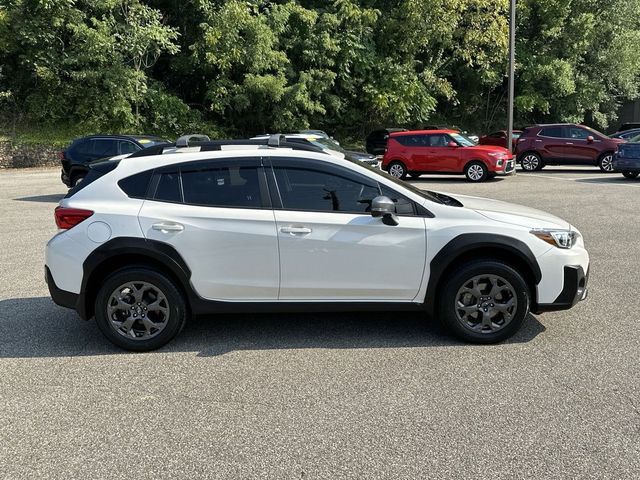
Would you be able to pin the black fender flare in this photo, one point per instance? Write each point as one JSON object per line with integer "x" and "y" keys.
{"x": 125, "y": 248}
{"x": 465, "y": 243}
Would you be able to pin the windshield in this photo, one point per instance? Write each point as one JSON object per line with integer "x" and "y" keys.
{"x": 462, "y": 140}
{"x": 325, "y": 143}
{"x": 516, "y": 135}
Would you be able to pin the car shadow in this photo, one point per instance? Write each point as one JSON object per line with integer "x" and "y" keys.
{"x": 449, "y": 179}
{"x": 51, "y": 198}
{"x": 36, "y": 327}
{"x": 611, "y": 180}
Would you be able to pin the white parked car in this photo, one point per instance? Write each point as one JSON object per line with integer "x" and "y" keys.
{"x": 146, "y": 242}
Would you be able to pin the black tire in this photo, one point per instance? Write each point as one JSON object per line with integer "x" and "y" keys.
{"x": 631, "y": 175}
{"x": 414, "y": 174}
{"x": 77, "y": 178}
{"x": 397, "y": 169}
{"x": 173, "y": 302}
{"x": 531, "y": 162}
{"x": 605, "y": 162}
{"x": 476, "y": 172}
{"x": 450, "y": 289}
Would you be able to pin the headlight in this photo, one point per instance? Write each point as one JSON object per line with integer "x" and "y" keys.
{"x": 557, "y": 238}
{"x": 497, "y": 154}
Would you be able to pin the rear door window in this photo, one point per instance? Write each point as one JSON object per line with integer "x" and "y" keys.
{"x": 224, "y": 186}
{"x": 553, "y": 132}
{"x": 413, "y": 140}
{"x": 104, "y": 147}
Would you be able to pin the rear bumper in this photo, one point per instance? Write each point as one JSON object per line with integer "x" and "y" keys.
{"x": 574, "y": 290}
{"x": 59, "y": 296}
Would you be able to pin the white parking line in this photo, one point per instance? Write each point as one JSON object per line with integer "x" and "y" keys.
{"x": 630, "y": 183}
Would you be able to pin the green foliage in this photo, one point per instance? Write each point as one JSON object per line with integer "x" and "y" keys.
{"x": 239, "y": 67}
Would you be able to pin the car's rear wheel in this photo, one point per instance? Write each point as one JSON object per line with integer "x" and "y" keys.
{"x": 605, "y": 162}
{"x": 531, "y": 162}
{"x": 484, "y": 301}
{"x": 397, "y": 169}
{"x": 631, "y": 174}
{"x": 139, "y": 309}
{"x": 476, "y": 172}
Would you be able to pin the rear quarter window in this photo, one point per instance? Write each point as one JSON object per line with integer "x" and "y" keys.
{"x": 136, "y": 186}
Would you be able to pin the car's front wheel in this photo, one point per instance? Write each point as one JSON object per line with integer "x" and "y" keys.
{"x": 484, "y": 301}
{"x": 397, "y": 169}
{"x": 605, "y": 162}
{"x": 139, "y": 309}
{"x": 476, "y": 172}
{"x": 630, "y": 174}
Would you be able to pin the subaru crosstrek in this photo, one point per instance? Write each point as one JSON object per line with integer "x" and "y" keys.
{"x": 444, "y": 151}
{"x": 147, "y": 242}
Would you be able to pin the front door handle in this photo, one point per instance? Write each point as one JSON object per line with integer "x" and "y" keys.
{"x": 294, "y": 230}
{"x": 166, "y": 227}
{"x": 569, "y": 143}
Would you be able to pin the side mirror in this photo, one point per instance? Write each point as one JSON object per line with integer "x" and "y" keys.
{"x": 384, "y": 207}
{"x": 452, "y": 145}
{"x": 590, "y": 139}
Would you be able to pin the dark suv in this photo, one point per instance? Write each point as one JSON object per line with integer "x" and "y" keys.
{"x": 565, "y": 144}
{"x": 76, "y": 157}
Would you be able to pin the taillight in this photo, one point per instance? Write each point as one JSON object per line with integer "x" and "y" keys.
{"x": 67, "y": 218}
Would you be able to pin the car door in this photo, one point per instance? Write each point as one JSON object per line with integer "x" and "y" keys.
{"x": 551, "y": 143}
{"x": 331, "y": 248}
{"x": 440, "y": 156}
{"x": 217, "y": 215}
{"x": 578, "y": 146}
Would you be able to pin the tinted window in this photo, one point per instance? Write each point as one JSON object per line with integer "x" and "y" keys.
{"x": 404, "y": 206}
{"x": 413, "y": 140}
{"x": 168, "y": 188}
{"x": 104, "y": 148}
{"x": 82, "y": 147}
{"x": 497, "y": 135}
{"x": 579, "y": 133}
{"x": 128, "y": 147}
{"x": 307, "y": 188}
{"x": 439, "y": 140}
{"x": 136, "y": 185}
{"x": 233, "y": 186}
{"x": 555, "y": 132}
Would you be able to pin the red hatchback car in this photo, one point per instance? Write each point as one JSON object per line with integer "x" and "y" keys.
{"x": 565, "y": 144}
{"x": 499, "y": 139}
{"x": 444, "y": 151}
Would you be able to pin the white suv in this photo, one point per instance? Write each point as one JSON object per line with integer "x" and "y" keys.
{"x": 148, "y": 241}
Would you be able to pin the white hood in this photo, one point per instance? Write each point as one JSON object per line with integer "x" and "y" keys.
{"x": 512, "y": 213}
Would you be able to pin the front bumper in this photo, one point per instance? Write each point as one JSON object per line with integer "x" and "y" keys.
{"x": 626, "y": 164}
{"x": 509, "y": 168}
{"x": 574, "y": 289}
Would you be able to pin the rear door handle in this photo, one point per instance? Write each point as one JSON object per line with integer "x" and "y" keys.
{"x": 569, "y": 143}
{"x": 166, "y": 227}
{"x": 293, "y": 230}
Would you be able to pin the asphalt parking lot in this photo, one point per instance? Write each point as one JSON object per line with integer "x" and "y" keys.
{"x": 329, "y": 395}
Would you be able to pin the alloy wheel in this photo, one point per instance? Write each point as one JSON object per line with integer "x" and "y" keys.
{"x": 486, "y": 303}
{"x": 475, "y": 172}
{"x": 396, "y": 170}
{"x": 606, "y": 163}
{"x": 530, "y": 162}
{"x": 138, "y": 310}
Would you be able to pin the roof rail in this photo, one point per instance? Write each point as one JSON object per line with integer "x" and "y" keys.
{"x": 188, "y": 140}
{"x": 274, "y": 141}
